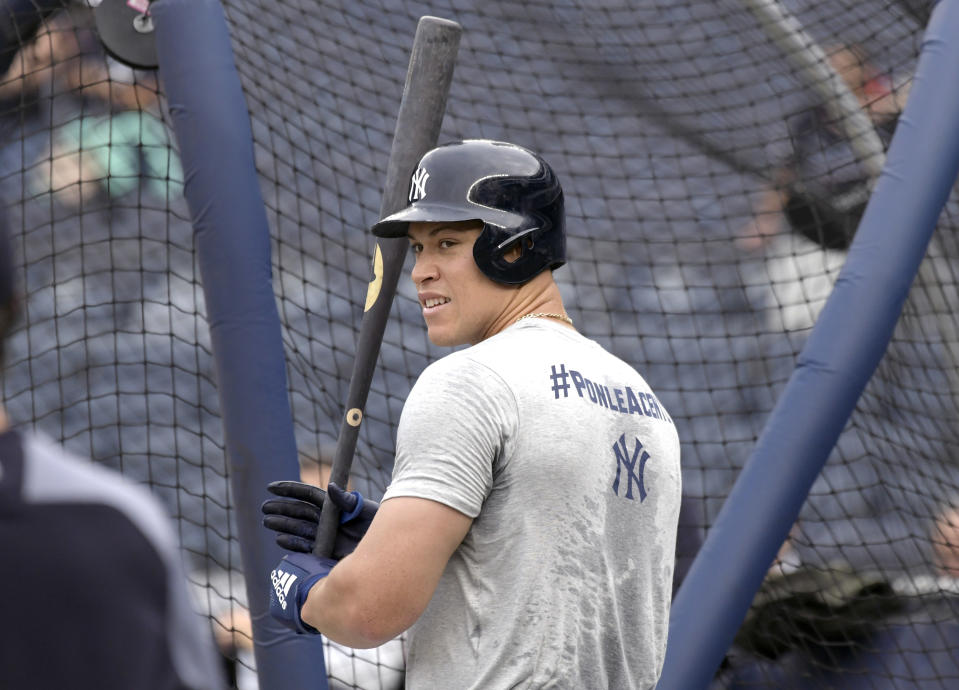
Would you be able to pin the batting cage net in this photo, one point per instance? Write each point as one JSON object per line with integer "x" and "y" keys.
{"x": 711, "y": 196}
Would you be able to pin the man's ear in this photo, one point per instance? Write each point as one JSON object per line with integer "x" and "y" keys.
{"x": 513, "y": 254}
{"x": 515, "y": 251}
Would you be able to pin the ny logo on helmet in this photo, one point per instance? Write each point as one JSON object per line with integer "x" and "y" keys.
{"x": 418, "y": 184}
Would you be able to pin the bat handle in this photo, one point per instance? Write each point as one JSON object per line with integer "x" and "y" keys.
{"x": 326, "y": 530}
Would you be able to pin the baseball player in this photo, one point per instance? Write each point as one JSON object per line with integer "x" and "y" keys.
{"x": 96, "y": 598}
{"x": 527, "y": 536}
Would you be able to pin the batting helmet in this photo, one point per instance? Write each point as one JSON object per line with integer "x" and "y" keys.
{"x": 510, "y": 189}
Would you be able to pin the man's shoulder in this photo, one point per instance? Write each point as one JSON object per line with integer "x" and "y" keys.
{"x": 56, "y": 473}
{"x": 53, "y": 475}
{"x": 462, "y": 368}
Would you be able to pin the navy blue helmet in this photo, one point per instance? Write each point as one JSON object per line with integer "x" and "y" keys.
{"x": 510, "y": 189}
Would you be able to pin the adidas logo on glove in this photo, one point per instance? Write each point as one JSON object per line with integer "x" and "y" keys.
{"x": 282, "y": 581}
{"x": 292, "y": 578}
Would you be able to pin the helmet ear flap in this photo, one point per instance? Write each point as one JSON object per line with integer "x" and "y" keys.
{"x": 520, "y": 243}
{"x": 492, "y": 251}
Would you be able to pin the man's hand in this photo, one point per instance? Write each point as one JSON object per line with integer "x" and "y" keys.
{"x": 290, "y": 582}
{"x": 296, "y": 514}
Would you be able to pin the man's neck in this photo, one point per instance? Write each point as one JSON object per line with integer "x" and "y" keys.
{"x": 541, "y": 295}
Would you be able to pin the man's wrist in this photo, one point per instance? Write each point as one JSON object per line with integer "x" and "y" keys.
{"x": 290, "y": 584}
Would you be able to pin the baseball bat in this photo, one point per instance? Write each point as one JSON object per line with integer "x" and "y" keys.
{"x": 418, "y": 123}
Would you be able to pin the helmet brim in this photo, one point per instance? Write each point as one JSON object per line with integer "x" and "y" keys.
{"x": 398, "y": 224}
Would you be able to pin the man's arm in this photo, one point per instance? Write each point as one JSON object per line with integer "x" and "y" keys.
{"x": 383, "y": 587}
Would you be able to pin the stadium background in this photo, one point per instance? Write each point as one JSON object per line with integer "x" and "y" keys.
{"x": 663, "y": 119}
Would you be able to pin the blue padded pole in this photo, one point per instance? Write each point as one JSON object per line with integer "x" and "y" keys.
{"x": 212, "y": 126}
{"x": 842, "y": 353}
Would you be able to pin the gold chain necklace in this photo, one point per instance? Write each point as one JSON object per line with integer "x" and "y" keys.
{"x": 561, "y": 317}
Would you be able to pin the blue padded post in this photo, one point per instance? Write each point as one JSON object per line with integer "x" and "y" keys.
{"x": 212, "y": 126}
{"x": 842, "y": 353}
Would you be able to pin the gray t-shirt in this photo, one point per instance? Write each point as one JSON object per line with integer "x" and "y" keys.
{"x": 569, "y": 465}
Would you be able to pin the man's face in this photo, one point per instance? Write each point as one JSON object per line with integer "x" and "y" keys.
{"x": 460, "y": 304}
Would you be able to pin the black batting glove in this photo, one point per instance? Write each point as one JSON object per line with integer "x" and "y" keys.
{"x": 296, "y": 514}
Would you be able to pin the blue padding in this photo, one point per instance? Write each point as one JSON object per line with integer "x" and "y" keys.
{"x": 841, "y": 355}
{"x": 211, "y": 122}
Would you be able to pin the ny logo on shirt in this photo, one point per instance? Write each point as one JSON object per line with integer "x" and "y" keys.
{"x": 627, "y": 459}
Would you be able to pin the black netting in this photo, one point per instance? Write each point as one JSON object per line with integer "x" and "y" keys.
{"x": 668, "y": 124}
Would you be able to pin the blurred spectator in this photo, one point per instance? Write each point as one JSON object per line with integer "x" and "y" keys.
{"x": 812, "y": 626}
{"x": 945, "y": 541}
{"x": 107, "y": 124}
{"x": 821, "y": 188}
{"x": 100, "y": 595}
{"x": 66, "y": 54}
{"x": 820, "y": 192}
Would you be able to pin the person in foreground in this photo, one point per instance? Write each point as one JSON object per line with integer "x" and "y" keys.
{"x": 95, "y": 593}
{"x": 527, "y": 536}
